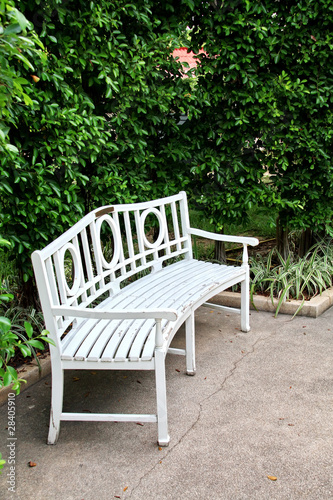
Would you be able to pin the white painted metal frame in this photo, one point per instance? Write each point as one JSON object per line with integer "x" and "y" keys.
{"x": 103, "y": 319}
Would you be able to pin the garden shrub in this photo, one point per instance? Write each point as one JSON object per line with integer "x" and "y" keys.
{"x": 99, "y": 124}
{"x": 265, "y": 100}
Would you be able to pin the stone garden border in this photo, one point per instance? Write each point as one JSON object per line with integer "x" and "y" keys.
{"x": 313, "y": 308}
{"x": 30, "y": 373}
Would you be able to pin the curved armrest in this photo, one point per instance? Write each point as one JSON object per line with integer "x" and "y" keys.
{"x": 245, "y": 240}
{"x": 85, "y": 312}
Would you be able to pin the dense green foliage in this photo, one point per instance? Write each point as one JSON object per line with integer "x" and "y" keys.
{"x": 103, "y": 125}
{"x": 18, "y": 44}
{"x": 265, "y": 86}
{"x": 10, "y": 343}
{"x": 15, "y": 338}
{"x": 90, "y": 99}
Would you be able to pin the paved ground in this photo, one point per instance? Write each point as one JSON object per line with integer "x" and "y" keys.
{"x": 260, "y": 405}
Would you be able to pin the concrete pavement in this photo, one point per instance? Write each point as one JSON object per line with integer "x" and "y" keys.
{"x": 261, "y": 404}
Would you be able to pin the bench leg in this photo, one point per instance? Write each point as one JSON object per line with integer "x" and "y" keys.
{"x": 56, "y": 405}
{"x": 162, "y": 412}
{"x": 190, "y": 345}
{"x": 245, "y": 303}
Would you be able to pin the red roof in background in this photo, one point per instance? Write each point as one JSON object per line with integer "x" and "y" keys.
{"x": 185, "y": 56}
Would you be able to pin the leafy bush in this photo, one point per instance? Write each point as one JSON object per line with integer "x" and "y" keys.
{"x": 14, "y": 337}
{"x": 93, "y": 100}
{"x": 264, "y": 92}
{"x": 18, "y": 46}
{"x": 9, "y": 343}
{"x": 102, "y": 127}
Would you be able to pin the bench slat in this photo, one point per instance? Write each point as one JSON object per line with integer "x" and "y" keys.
{"x": 188, "y": 291}
{"x": 91, "y": 338}
{"x": 131, "y": 337}
{"x": 179, "y": 286}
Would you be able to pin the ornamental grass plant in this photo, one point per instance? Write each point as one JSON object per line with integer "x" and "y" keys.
{"x": 294, "y": 277}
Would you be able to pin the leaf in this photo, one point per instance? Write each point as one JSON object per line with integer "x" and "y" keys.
{"x": 272, "y": 478}
{"x": 13, "y": 372}
{"x": 4, "y": 242}
{"x": 5, "y": 324}
{"x": 29, "y": 329}
{"x": 28, "y": 101}
{"x": 21, "y": 19}
{"x": 16, "y": 386}
{"x": 25, "y": 350}
{"x": 6, "y": 297}
{"x": 5, "y": 185}
{"x": 25, "y": 60}
{"x": 36, "y": 343}
{"x": 7, "y": 378}
{"x": 12, "y": 28}
{"x": 48, "y": 340}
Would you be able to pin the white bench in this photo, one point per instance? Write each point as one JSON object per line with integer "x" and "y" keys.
{"x": 122, "y": 313}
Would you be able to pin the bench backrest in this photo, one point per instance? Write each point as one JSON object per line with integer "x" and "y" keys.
{"x": 74, "y": 270}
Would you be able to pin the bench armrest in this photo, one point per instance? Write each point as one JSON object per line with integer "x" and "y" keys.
{"x": 93, "y": 313}
{"x": 244, "y": 240}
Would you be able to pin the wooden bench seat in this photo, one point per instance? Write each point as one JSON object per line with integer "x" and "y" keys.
{"x": 123, "y": 313}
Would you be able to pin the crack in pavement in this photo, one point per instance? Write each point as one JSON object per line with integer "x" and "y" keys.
{"x": 200, "y": 404}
